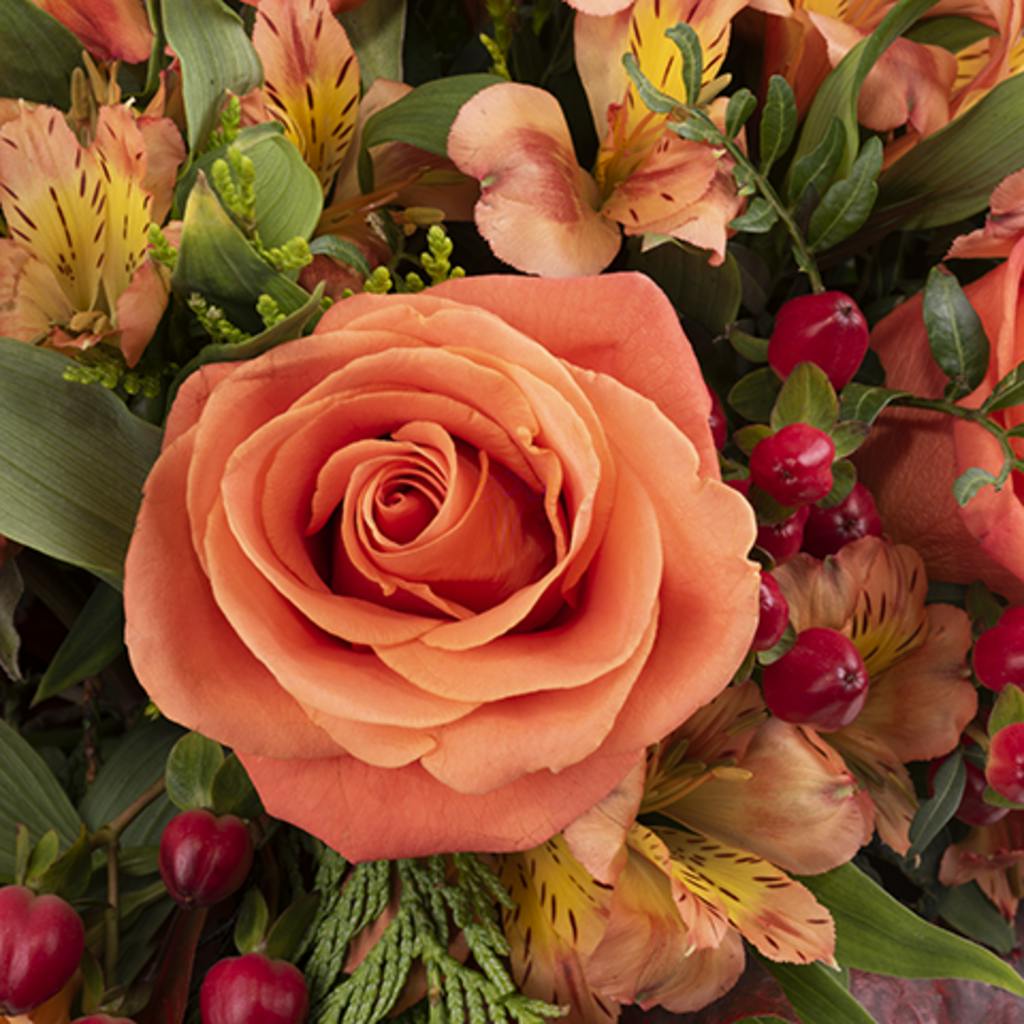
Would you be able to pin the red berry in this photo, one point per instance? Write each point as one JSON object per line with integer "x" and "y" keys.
{"x": 829, "y": 529}
{"x": 783, "y": 540}
{"x": 773, "y": 615}
{"x": 827, "y": 329}
{"x": 253, "y": 989}
{"x": 41, "y": 942}
{"x": 717, "y": 421}
{"x": 204, "y": 858}
{"x": 794, "y": 465}
{"x": 999, "y": 652}
{"x": 820, "y": 681}
{"x": 972, "y": 810}
{"x": 1004, "y": 769}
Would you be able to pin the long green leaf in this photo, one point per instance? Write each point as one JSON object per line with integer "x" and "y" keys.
{"x": 936, "y": 811}
{"x": 969, "y": 910}
{"x": 692, "y": 71}
{"x": 424, "y": 116}
{"x": 848, "y": 203}
{"x": 37, "y": 55}
{"x": 955, "y": 333}
{"x": 817, "y": 168}
{"x": 217, "y": 261}
{"x": 216, "y": 57}
{"x": 72, "y": 462}
{"x": 778, "y": 122}
{"x": 817, "y": 994}
{"x": 874, "y": 932}
{"x": 837, "y": 96}
{"x": 31, "y": 796}
{"x": 377, "y": 31}
{"x": 11, "y": 590}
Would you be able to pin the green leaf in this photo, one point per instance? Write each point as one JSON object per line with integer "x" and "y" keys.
{"x": 935, "y": 812}
{"x": 838, "y": 94}
{"x": 753, "y": 396}
{"x": 875, "y": 932}
{"x": 217, "y": 261}
{"x": 968, "y": 910}
{"x": 251, "y": 926}
{"x": 955, "y": 334}
{"x": 191, "y": 768}
{"x": 807, "y": 396}
{"x": 216, "y": 57}
{"x": 342, "y": 250}
{"x": 742, "y": 104}
{"x": 982, "y": 606}
{"x": 93, "y": 985}
{"x": 290, "y": 928}
{"x": 760, "y": 216}
{"x": 377, "y": 31}
{"x": 233, "y": 792}
{"x": 95, "y": 639}
{"x": 1007, "y": 710}
{"x": 848, "y": 203}
{"x": 289, "y": 198}
{"x": 692, "y": 71}
{"x": 70, "y": 481}
{"x": 1008, "y": 391}
{"x": 996, "y": 799}
{"x": 776, "y": 651}
{"x": 817, "y": 168}
{"x": 747, "y": 438}
{"x": 952, "y": 32}
{"x": 866, "y": 402}
{"x": 754, "y": 350}
{"x": 424, "y": 116}
{"x": 37, "y": 55}
{"x": 951, "y": 174}
{"x": 849, "y": 436}
{"x": 652, "y": 98}
{"x": 43, "y": 856}
{"x": 69, "y": 874}
{"x": 710, "y": 295}
{"x": 844, "y": 477}
{"x": 696, "y": 128}
{"x": 30, "y": 796}
{"x": 11, "y": 590}
{"x": 970, "y": 482}
{"x": 778, "y": 122}
{"x": 818, "y": 994}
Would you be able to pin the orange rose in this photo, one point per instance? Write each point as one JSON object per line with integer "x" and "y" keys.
{"x": 913, "y": 457}
{"x": 441, "y": 572}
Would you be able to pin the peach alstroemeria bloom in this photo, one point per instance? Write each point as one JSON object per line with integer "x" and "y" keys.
{"x": 74, "y": 270}
{"x": 540, "y": 211}
{"x": 617, "y": 912}
{"x": 920, "y": 698}
{"x": 110, "y": 29}
{"x": 992, "y": 856}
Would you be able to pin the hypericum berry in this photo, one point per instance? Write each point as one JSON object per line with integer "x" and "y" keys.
{"x": 829, "y": 529}
{"x": 821, "y": 681}
{"x": 41, "y": 942}
{"x": 253, "y": 989}
{"x": 999, "y": 652}
{"x": 783, "y": 540}
{"x": 204, "y": 858}
{"x": 717, "y": 421}
{"x": 972, "y": 810}
{"x": 773, "y": 614}
{"x": 1004, "y": 768}
{"x": 794, "y": 465}
{"x": 827, "y": 329}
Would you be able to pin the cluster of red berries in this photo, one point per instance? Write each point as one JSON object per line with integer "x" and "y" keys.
{"x": 203, "y": 859}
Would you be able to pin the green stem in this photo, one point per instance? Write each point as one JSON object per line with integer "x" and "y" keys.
{"x": 111, "y": 916}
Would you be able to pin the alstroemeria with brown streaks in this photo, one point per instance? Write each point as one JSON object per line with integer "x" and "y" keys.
{"x": 74, "y": 270}
{"x": 992, "y": 856}
{"x": 543, "y": 213}
{"x": 920, "y": 698}
{"x": 614, "y": 912}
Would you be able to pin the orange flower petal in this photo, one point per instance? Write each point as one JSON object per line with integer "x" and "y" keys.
{"x": 537, "y": 207}
{"x": 111, "y": 29}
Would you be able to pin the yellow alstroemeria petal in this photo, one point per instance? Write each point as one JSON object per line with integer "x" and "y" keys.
{"x": 775, "y": 913}
{"x": 31, "y": 299}
{"x": 311, "y": 79}
{"x": 54, "y": 200}
{"x": 558, "y": 917}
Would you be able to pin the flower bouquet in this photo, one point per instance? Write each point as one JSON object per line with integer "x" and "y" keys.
{"x": 511, "y": 511}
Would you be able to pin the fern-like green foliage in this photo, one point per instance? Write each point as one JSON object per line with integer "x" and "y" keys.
{"x": 431, "y": 901}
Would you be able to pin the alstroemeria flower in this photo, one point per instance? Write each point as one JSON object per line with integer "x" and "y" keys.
{"x": 543, "y": 213}
{"x": 75, "y": 270}
{"x": 992, "y": 856}
{"x": 615, "y": 912}
{"x": 1004, "y": 225}
{"x": 110, "y": 29}
{"x": 920, "y": 698}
